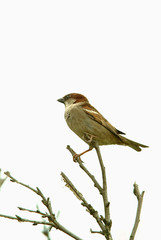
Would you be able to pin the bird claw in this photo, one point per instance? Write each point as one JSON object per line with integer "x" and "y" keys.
{"x": 76, "y": 158}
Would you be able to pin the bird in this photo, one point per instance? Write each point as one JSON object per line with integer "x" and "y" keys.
{"x": 90, "y": 125}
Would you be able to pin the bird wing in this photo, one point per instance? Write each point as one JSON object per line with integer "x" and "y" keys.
{"x": 96, "y": 116}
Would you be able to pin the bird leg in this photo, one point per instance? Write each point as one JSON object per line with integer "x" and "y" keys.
{"x": 90, "y": 140}
{"x": 76, "y": 156}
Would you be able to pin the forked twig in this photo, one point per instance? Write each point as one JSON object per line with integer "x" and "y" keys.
{"x": 138, "y": 212}
{"x": 84, "y": 203}
{"x": 104, "y": 222}
{"x": 103, "y": 191}
{"x": 50, "y": 216}
{"x": 92, "y": 177}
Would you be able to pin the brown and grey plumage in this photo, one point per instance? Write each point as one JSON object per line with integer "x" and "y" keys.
{"x": 83, "y": 119}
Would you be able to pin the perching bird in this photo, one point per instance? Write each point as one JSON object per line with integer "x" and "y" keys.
{"x": 91, "y": 126}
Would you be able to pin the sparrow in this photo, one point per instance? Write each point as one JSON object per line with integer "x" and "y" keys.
{"x": 89, "y": 124}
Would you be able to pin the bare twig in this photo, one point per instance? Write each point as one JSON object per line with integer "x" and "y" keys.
{"x": 44, "y": 215}
{"x": 103, "y": 222}
{"x": 16, "y": 181}
{"x": 92, "y": 177}
{"x": 20, "y": 219}
{"x": 104, "y": 193}
{"x": 140, "y": 201}
{"x": 100, "y": 232}
{"x": 46, "y": 201}
{"x": 70, "y": 185}
{"x": 84, "y": 203}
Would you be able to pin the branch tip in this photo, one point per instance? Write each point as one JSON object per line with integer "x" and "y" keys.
{"x": 138, "y": 212}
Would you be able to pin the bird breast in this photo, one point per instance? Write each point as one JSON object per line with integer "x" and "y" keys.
{"x": 76, "y": 119}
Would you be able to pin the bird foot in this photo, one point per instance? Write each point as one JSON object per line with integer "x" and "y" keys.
{"x": 76, "y": 157}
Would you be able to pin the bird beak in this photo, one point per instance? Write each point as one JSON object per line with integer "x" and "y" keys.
{"x": 61, "y": 100}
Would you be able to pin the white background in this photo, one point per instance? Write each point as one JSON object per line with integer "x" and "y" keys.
{"x": 110, "y": 51}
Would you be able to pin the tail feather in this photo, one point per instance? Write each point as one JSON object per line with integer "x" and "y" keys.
{"x": 135, "y": 145}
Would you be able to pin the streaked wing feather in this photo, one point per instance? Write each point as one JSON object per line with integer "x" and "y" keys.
{"x": 96, "y": 116}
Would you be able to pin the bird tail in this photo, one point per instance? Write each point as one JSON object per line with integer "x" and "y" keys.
{"x": 135, "y": 145}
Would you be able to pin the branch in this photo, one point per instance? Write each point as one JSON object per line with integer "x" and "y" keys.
{"x": 104, "y": 193}
{"x": 84, "y": 203}
{"x": 43, "y": 215}
{"x": 100, "y": 232}
{"x": 12, "y": 179}
{"x": 92, "y": 177}
{"x": 138, "y": 212}
{"x": 20, "y": 219}
{"x": 46, "y": 201}
{"x": 70, "y": 185}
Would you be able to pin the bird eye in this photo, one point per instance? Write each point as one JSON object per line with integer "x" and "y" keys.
{"x": 67, "y": 97}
